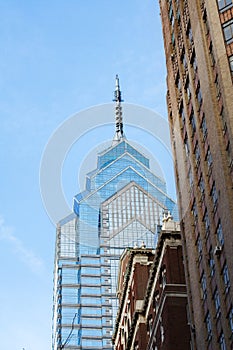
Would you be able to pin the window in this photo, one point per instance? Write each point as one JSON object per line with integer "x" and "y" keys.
{"x": 197, "y": 154}
{"x": 91, "y": 343}
{"x": 70, "y": 315}
{"x": 209, "y": 158}
{"x": 199, "y": 247}
{"x": 190, "y": 176}
{"x": 171, "y": 16}
{"x": 223, "y": 4}
{"x": 90, "y": 270}
{"x": 214, "y": 195}
{"x": 228, "y": 31}
{"x": 90, "y": 290}
{"x": 170, "y": 11}
{"x": 231, "y": 319}
{"x": 226, "y": 279}
{"x": 217, "y": 303}
{"x": 218, "y": 89}
{"x": 156, "y": 300}
{"x": 162, "y": 332}
{"x": 150, "y": 325}
{"x": 70, "y": 295}
{"x": 173, "y": 38}
{"x": 93, "y": 331}
{"x": 223, "y": 118}
{"x": 219, "y": 232}
{"x": 186, "y": 145}
{"x": 193, "y": 123}
{"x": 206, "y": 221}
{"x": 190, "y": 34}
{"x": 70, "y": 276}
{"x": 222, "y": 342}
{"x": 204, "y": 128}
{"x": 74, "y": 338}
{"x": 194, "y": 63}
{"x": 184, "y": 60}
{"x": 90, "y": 261}
{"x": 183, "y": 116}
{"x": 231, "y": 63}
{"x": 211, "y": 262}
{"x": 178, "y": 15}
{"x": 188, "y": 91}
{"x": 178, "y": 82}
{"x": 201, "y": 186}
{"x": 163, "y": 279}
{"x": 194, "y": 211}
{"x": 203, "y": 286}
{"x": 94, "y": 321}
{"x": 199, "y": 97}
{"x": 208, "y": 326}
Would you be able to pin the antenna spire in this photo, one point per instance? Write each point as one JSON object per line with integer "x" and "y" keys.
{"x": 119, "y": 134}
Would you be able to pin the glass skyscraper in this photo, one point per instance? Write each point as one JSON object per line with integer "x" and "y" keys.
{"x": 122, "y": 206}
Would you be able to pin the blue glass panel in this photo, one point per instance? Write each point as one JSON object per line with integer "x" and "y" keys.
{"x": 119, "y": 165}
{"x": 90, "y": 290}
{"x": 91, "y": 321}
{"x": 89, "y": 301}
{"x": 117, "y": 151}
{"x": 94, "y": 332}
{"x": 93, "y": 343}
{"x": 91, "y": 311}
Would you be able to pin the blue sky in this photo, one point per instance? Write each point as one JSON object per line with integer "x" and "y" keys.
{"x": 58, "y": 58}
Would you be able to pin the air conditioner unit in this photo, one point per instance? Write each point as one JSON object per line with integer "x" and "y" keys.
{"x": 217, "y": 250}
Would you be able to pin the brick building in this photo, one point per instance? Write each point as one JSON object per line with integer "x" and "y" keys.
{"x": 152, "y": 296}
{"x": 198, "y": 42}
{"x": 134, "y": 269}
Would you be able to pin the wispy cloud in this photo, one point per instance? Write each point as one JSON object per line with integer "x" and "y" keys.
{"x": 26, "y": 255}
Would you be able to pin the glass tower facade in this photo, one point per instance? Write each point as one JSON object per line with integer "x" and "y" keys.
{"x": 122, "y": 206}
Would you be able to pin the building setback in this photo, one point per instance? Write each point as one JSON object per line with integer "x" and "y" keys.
{"x": 198, "y": 42}
{"x": 123, "y": 203}
{"x": 153, "y": 300}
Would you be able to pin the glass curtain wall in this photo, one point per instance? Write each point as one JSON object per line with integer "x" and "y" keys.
{"x": 122, "y": 206}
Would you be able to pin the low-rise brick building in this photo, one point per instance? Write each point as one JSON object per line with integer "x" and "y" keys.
{"x": 152, "y": 296}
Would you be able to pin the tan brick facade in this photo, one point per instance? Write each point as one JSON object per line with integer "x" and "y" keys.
{"x": 198, "y": 42}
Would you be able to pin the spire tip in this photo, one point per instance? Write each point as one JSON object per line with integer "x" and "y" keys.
{"x": 117, "y": 93}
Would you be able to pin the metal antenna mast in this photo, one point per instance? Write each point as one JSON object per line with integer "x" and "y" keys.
{"x": 119, "y": 134}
